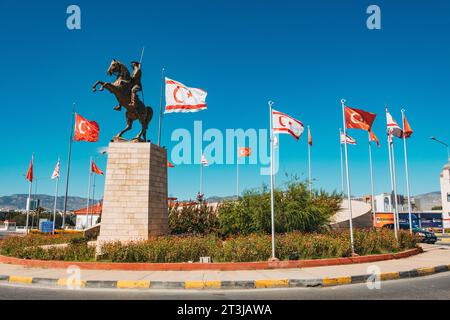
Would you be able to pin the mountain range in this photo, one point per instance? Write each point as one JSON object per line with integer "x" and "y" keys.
{"x": 18, "y": 201}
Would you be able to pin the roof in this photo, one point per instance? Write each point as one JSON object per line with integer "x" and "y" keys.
{"x": 94, "y": 209}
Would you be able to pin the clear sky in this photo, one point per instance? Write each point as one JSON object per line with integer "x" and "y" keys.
{"x": 304, "y": 55}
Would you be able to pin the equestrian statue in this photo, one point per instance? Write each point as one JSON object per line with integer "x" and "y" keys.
{"x": 126, "y": 88}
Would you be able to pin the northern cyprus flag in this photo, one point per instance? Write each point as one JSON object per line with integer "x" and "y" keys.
{"x": 180, "y": 98}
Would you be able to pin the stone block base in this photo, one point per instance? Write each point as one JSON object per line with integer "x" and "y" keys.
{"x": 135, "y": 197}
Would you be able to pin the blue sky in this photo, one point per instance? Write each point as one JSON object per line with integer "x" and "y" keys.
{"x": 305, "y": 56}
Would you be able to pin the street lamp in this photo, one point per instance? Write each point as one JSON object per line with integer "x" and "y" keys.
{"x": 443, "y": 143}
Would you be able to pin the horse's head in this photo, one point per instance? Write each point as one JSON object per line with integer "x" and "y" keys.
{"x": 114, "y": 67}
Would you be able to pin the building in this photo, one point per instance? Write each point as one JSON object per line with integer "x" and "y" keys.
{"x": 445, "y": 194}
{"x": 384, "y": 202}
{"x": 82, "y": 216}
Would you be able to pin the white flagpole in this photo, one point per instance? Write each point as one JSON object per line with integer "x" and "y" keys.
{"x": 392, "y": 183}
{"x": 371, "y": 181}
{"x": 201, "y": 176}
{"x": 272, "y": 204}
{"x": 237, "y": 175}
{"x": 342, "y": 162}
{"x": 56, "y": 198}
{"x": 394, "y": 175}
{"x": 29, "y": 194}
{"x": 309, "y": 165}
{"x": 407, "y": 172}
{"x": 349, "y": 192}
{"x": 88, "y": 193}
{"x": 161, "y": 105}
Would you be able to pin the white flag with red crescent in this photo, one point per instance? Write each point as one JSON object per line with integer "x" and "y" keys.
{"x": 349, "y": 139}
{"x": 180, "y": 98}
{"x": 55, "y": 173}
{"x": 392, "y": 126}
{"x": 282, "y": 123}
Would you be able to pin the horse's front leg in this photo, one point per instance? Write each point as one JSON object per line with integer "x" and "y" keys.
{"x": 94, "y": 87}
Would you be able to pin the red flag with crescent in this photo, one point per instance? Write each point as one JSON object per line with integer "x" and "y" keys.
{"x": 359, "y": 119}
{"x": 180, "y": 98}
{"x": 85, "y": 130}
{"x": 407, "y": 131}
{"x": 373, "y": 137}
{"x": 244, "y": 152}
{"x": 95, "y": 169}
{"x": 30, "y": 171}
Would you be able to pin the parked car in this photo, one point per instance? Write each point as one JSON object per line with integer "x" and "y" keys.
{"x": 424, "y": 235}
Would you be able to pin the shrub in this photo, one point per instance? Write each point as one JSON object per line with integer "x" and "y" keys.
{"x": 243, "y": 248}
{"x": 192, "y": 218}
{"x": 295, "y": 210}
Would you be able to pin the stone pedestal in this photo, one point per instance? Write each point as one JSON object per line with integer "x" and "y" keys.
{"x": 135, "y": 197}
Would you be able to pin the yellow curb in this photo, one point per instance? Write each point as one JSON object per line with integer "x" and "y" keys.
{"x": 426, "y": 271}
{"x": 389, "y": 276}
{"x": 18, "y": 279}
{"x": 271, "y": 283}
{"x": 443, "y": 239}
{"x": 336, "y": 281}
{"x": 202, "y": 284}
{"x": 127, "y": 284}
{"x": 71, "y": 283}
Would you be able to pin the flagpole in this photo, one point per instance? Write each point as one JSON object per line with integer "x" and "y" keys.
{"x": 342, "y": 162}
{"x": 88, "y": 193}
{"x": 392, "y": 182}
{"x": 68, "y": 167}
{"x": 348, "y": 179}
{"x": 201, "y": 176}
{"x": 407, "y": 172}
{"x": 237, "y": 175}
{"x": 371, "y": 181}
{"x": 309, "y": 165}
{"x": 272, "y": 204}
{"x": 394, "y": 175}
{"x": 161, "y": 106}
{"x": 56, "y": 198}
{"x": 29, "y": 195}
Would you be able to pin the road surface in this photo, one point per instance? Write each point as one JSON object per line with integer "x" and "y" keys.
{"x": 431, "y": 287}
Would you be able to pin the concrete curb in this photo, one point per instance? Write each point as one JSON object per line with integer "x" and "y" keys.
{"x": 217, "y": 284}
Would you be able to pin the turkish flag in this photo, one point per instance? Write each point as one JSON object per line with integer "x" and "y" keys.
{"x": 359, "y": 119}
{"x": 30, "y": 171}
{"x": 309, "y": 137}
{"x": 407, "y": 131}
{"x": 95, "y": 169}
{"x": 373, "y": 137}
{"x": 85, "y": 130}
{"x": 244, "y": 152}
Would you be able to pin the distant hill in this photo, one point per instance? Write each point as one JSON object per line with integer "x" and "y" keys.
{"x": 427, "y": 201}
{"x": 18, "y": 202}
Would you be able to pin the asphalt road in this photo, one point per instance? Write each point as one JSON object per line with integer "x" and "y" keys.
{"x": 433, "y": 287}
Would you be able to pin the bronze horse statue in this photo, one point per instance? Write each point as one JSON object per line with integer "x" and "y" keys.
{"x": 121, "y": 88}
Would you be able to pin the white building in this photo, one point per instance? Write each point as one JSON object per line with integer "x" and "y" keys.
{"x": 445, "y": 194}
{"x": 86, "y": 218}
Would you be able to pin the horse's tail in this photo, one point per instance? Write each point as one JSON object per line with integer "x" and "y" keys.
{"x": 149, "y": 113}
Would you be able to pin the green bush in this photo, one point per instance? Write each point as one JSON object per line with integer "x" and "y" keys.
{"x": 242, "y": 248}
{"x": 295, "y": 210}
{"x": 192, "y": 218}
